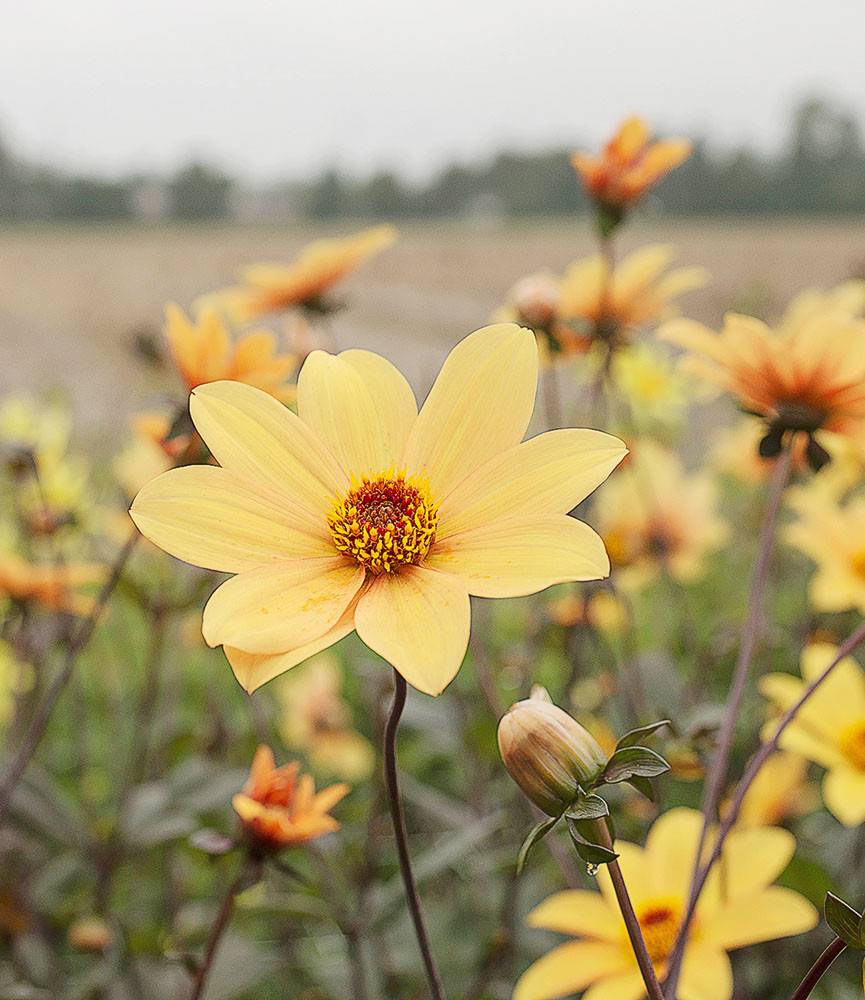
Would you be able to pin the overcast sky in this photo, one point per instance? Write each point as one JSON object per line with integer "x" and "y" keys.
{"x": 274, "y": 88}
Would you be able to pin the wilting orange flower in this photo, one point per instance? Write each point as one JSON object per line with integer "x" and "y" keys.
{"x": 52, "y": 587}
{"x": 279, "y": 806}
{"x": 203, "y": 352}
{"x": 272, "y": 288}
{"x": 809, "y": 377}
{"x": 629, "y": 165}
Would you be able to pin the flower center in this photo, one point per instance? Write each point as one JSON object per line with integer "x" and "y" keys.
{"x": 852, "y": 743}
{"x": 659, "y": 922}
{"x": 385, "y": 522}
{"x": 857, "y": 563}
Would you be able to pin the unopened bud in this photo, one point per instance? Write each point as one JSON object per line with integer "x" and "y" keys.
{"x": 90, "y": 934}
{"x": 548, "y": 754}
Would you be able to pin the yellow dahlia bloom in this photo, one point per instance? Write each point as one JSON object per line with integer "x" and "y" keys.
{"x": 739, "y": 908}
{"x": 652, "y": 514}
{"x": 596, "y": 303}
{"x": 359, "y": 513}
{"x": 809, "y": 377}
{"x": 650, "y": 384}
{"x": 829, "y": 729}
{"x": 203, "y": 352}
{"x": 833, "y": 536}
{"x": 279, "y": 806}
{"x": 629, "y": 164}
{"x": 272, "y": 288}
{"x": 779, "y": 791}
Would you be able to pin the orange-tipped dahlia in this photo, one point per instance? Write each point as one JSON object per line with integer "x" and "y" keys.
{"x": 629, "y": 165}
{"x": 203, "y": 352}
{"x": 273, "y": 288}
{"x": 54, "y": 587}
{"x": 806, "y": 378}
{"x": 279, "y": 806}
{"x": 359, "y": 513}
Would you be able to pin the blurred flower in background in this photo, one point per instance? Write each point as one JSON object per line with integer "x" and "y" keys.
{"x": 778, "y": 793}
{"x": 54, "y": 587}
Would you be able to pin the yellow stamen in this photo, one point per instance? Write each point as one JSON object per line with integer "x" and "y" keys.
{"x": 852, "y": 743}
{"x": 659, "y": 921}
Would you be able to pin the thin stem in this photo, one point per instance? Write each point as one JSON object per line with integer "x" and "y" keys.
{"x": 818, "y": 969}
{"x": 219, "y": 927}
{"x": 747, "y": 647}
{"x": 632, "y": 925}
{"x": 398, "y": 819}
{"x": 42, "y": 716}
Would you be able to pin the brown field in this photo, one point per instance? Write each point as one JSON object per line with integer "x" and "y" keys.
{"x": 71, "y": 298}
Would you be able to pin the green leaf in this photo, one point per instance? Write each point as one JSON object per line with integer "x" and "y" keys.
{"x": 592, "y": 854}
{"x": 537, "y": 833}
{"x": 644, "y": 787}
{"x": 630, "y": 762}
{"x": 844, "y": 921}
{"x": 635, "y": 736}
{"x": 588, "y": 807}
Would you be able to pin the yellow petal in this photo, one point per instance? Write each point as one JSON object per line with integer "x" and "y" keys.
{"x": 209, "y": 517}
{"x": 277, "y": 608}
{"x": 256, "y": 437}
{"x": 359, "y": 405}
{"x": 625, "y": 986}
{"x": 638, "y": 877}
{"x": 706, "y": 974}
{"x": 548, "y": 474}
{"x": 753, "y": 859}
{"x": 418, "y": 620}
{"x": 522, "y": 555}
{"x": 671, "y": 850}
{"x": 252, "y": 670}
{"x": 578, "y": 912}
{"x": 569, "y": 968}
{"x": 765, "y": 916}
{"x": 480, "y": 405}
{"x": 844, "y": 795}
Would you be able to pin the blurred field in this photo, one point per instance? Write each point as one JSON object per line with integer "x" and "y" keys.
{"x": 72, "y": 298}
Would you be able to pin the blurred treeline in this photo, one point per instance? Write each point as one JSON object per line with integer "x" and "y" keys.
{"x": 819, "y": 170}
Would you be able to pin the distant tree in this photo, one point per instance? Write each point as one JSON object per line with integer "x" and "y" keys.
{"x": 198, "y": 192}
{"x": 328, "y": 197}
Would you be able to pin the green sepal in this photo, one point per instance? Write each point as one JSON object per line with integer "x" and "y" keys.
{"x": 644, "y": 787}
{"x": 635, "y": 736}
{"x": 846, "y": 922}
{"x": 587, "y": 807}
{"x": 631, "y": 762}
{"x": 591, "y": 853}
{"x": 536, "y": 834}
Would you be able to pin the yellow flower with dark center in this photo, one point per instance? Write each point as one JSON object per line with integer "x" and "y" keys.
{"x": 359, "y": 513}
{"x": 829, "y": 729}
{"x": 273, "y": 288}
{"x": 605, "y": 304}
{"x": 203, "y": 352}
{"x": 279, "y": 806}
{"x": 629, "y": 164}
{"x": 738, "y": 907}
{"x": 807, "y": 376}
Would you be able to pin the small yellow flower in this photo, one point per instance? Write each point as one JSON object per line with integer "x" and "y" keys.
{"x": 598, "y": 304}
{"x": 54, "y": 587}
{"x": 273, "y": 288}
{"x": 649, "y": 383}
{"x": 654, "y": 515}
{"x": 602, "y": 610}
{"x": 739, "y": 909}
{"x": 829, "y": 729}
{"x": 833, "y": 536}
{"x": 807, "y": 377}
{"x": 359, "y": 513}
{"x": 315, "y": 718}
{"x": 279, "y": 806}
{"x": 203, "y": 352}
{"x": 779, "y": 791}
{"x": 629, "y": 165}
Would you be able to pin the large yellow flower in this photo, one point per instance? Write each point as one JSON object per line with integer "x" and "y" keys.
{"x": 629, "y": 164}
{"x": 737, "y": 908}
{"x": 653, "y": 515}
{"x": 359, "y": 513}
{"x": 806, "y": 376}
{"x": 829, "y": 728}
{"x": 272, "y": 288}
{"x": 600, "y": 304}
{"x": 203, "y": 352}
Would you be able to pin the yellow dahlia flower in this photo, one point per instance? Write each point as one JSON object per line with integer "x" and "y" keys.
{"x": 737, "y": 908}
{"x": 653, "y": 515}
{"x": 779, "y": 791}
{"x": 272, "y": 288}
{"x": 830, "y": 727}
{"x": 359, "y": 513}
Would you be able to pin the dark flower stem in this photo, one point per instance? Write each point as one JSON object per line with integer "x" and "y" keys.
{"x": 223, "y": 918}
{"x": 819, "y": 969}
{"x": 396, "y": 813}
{"x": 632, "y": 924}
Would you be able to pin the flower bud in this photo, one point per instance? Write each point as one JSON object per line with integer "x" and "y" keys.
{"x": 90, "y": 934}
{"x": 548, "y": 753}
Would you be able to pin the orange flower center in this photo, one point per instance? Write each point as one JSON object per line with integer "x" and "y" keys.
{"x": 852, "y": 743}
{"x": 386, "y": 522}
{"x": 659, "y": 921}
{"x": 857, "y": 564}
